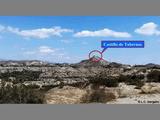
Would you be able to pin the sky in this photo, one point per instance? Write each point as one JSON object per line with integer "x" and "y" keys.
{"x": 69, "y": 39}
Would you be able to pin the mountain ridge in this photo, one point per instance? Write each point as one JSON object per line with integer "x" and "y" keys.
{"x": 85, "y": 63}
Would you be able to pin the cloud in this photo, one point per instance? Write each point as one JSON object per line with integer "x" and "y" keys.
{"x": 29, "y": 53}
{"x": 40, "y": 33}
{"x": 46, "y": 53}
{"x": 2, "y": 28}
{"x": 148, "y": 29}
{"x": 66, "y": 41}
{"x": 46, "y": 50}
{"x": 42, "y": 50}
{"x": 102, "y": 33}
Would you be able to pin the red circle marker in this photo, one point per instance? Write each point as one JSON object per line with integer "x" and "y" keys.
{"x": 93, "y": 53}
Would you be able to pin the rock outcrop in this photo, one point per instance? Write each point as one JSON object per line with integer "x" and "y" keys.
{"x": 151, "y": 88}
{"x": 127, "y": 90}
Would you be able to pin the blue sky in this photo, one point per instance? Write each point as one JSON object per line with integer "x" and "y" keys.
{"x": 71, "y": 38}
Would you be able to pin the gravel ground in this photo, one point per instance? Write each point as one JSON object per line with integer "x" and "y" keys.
{"x": 138, "y": 99}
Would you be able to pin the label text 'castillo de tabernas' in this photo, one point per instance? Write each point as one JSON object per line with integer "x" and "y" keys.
{"x": 122, "y": 44}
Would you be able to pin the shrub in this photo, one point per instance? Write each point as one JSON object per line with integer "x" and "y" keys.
{"x": 122, "y": 78}
{"x": 97, "y": 96}
{"x": 19, "y": 94}
{"x": 103, "y": 79}
{"x": 21, "y": 76}
{"x": 33, "y": 86}
{"x": 139, "y": 84}
{"x": 144, "y": 70}
{"x": 136, "y": 80}
{"x": 132, "y": 80}
{"x": 153, "y": 76}
{"x": 108, "y": 82}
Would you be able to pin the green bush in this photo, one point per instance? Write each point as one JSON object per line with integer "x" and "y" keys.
{"x": 108, "y": 82}
{"x": 21, "y": 76}
{"x": 136, "y": 80}
{"x": 19, "y": 94}
{"x": 153, "y": 76}
{"x": 132, "y": 80}
{"x": 123, "y": 78}
{"x": 104, "y": 79}
{"x": 97, "y": 93}
{"x": 97, "y": 96}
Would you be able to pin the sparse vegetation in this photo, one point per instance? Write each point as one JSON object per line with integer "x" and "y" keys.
{"x": 20, "y": 76}
{"x": 19, "y": 94}
{"x": 26, "y": 84}
{"x": 132, "y": 80}
{"x": 153, "y": 76}
{"x": 97, "y": 95}
{"x": 104, "y": 79}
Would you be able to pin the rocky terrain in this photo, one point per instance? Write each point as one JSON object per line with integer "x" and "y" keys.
{"x": 69, "y": 83}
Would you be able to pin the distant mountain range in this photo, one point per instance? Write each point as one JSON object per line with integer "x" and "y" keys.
{"x": 83, "y": 63}
{"x": 22, "y": 62}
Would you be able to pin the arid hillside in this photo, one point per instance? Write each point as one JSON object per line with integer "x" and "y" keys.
{"x": 84, "y": 82}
